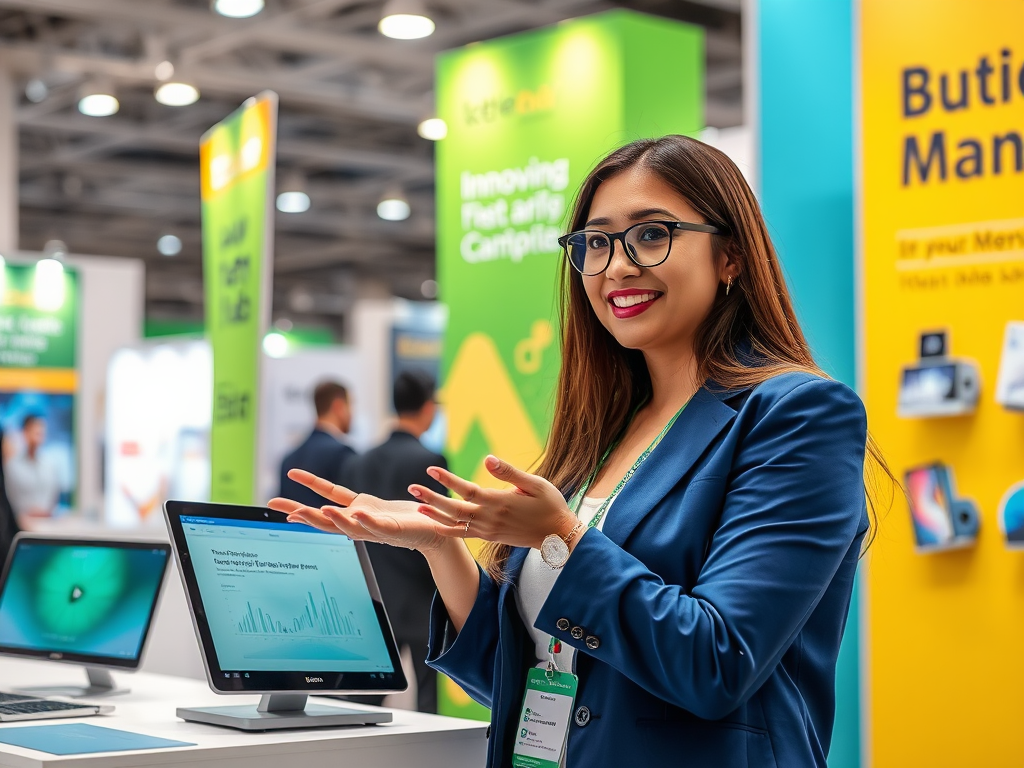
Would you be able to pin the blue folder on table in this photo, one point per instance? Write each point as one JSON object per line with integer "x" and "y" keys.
{"x": 81, "y": 738}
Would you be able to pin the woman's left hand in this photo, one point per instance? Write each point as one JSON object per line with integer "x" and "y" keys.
{"x": 520, "y": 516}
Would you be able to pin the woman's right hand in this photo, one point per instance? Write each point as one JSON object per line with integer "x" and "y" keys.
{"x": 364, "y": 517}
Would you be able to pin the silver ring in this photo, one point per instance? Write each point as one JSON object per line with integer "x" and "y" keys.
{"x": 466, "y": 529}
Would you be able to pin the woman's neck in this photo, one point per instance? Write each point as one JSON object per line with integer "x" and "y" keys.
{"x": 673, "y": 375}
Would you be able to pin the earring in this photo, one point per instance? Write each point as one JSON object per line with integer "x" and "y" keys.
{"x": 728, "y": 285}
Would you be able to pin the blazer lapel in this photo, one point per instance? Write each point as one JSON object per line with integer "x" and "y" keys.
{"x": 697, "y": 426}
{"x": 515, "y": 562}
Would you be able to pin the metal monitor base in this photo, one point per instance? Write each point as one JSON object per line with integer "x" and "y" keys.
{"x": 101, "y": 683}
{"x": 281, "y": 711}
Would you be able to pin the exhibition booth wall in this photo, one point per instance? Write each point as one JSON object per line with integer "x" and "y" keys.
{"x": 105, "y": 297}
{"x": 803, "y": 121}
{"x": 897, "y": 207}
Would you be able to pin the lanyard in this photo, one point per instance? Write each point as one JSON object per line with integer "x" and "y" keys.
{"x": 576, "y": 500}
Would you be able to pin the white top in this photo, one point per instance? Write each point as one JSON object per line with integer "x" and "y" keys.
{"x": 33, "y": 484}
{"x": 535, "y": 583}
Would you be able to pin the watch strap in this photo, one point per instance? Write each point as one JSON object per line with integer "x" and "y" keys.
{"x": 573, "y": 533}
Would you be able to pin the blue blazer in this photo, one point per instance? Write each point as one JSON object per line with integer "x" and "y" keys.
{"x": 707, "y": 614}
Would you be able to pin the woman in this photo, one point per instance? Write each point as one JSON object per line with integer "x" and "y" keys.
{"x": 701, "y": 592}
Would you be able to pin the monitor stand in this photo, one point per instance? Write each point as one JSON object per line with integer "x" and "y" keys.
{"x": 279, "y": 711}
{"x": 101, "y": 683}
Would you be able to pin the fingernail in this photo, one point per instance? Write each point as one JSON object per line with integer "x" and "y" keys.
{"x": 415, "y": 491}
{"x": 433, "y": 472}
{"x": 492, "y": 462}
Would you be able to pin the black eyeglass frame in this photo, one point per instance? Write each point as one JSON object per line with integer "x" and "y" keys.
{"x": 688, "y": 226}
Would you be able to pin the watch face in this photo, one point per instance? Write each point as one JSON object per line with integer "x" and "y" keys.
{"x": 554, "y": 551}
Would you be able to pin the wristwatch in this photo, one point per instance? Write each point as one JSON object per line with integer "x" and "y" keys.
{"x": 554, "y": 550}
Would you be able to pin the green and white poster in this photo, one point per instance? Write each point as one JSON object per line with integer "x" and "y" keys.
{"x": 39, "y": 304}
{"x": 237, "y": 173}
{"x": 528, "y": 117}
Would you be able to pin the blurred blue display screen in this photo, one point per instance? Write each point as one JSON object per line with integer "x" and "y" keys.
{"x": 78, "y": 599}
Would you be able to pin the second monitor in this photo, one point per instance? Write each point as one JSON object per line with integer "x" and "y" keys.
{"x": 84, "y": 601}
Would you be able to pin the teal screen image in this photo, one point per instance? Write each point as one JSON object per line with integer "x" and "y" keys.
{"x": 88, "y": 600}
{"x": 283, "y": 598}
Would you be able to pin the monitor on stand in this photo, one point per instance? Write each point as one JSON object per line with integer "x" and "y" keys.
{"x": 81, "y": 601}
{"x": 285, "y": 611}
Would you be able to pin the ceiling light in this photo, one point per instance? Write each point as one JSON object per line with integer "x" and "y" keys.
{"x": 96, "y": 99}
{"x": 177, "y": 94}
{"x": 169, "y": 245}
{"x": 433, "y": 129}
{"x": 36, "y": 91}
{"x": 291, "y": 196}
{"x": 238, "y": 9}
{"x": 48, "y": 285}
{"x": 405, "y": 20}
{"x": 163, "y": 71}
{"x": 393, "y": 208}
{"x": 293, "y": 202}
{"x": 275, "y": 344}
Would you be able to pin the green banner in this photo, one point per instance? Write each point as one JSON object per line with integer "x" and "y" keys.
{"x": 38, "y": 311}
{"x": 237, "y": 174}
{"x": 528, "y": 117}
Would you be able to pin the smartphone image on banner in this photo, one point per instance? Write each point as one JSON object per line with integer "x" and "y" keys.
{"x": 931, "y": 505}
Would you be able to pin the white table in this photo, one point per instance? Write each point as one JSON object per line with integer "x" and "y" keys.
{"x": 413, "y": 740}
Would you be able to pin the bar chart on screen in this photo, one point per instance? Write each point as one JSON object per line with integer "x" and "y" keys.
{"x": 323, "y": 618}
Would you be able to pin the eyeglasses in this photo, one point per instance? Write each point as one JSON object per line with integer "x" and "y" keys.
{"x": 647, "y": 244}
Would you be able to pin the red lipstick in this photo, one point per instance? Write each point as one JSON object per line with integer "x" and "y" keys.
{"x": 630, "y": 302}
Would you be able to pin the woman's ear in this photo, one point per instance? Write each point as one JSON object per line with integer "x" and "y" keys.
{"x": 729, "y": 265}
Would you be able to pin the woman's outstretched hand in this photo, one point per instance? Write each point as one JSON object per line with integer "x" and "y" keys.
{"x": 520, "y": 516}
{"x": 361, "y": 516}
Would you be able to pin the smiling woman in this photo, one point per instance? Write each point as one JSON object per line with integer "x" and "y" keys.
{"x": 679, "y": 566}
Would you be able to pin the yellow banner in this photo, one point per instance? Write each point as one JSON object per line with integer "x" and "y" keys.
{"x": 943, "y": 251}
{"x": 51, "y": 380}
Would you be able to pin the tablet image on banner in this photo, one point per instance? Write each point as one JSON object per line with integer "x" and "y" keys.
{"x": 930, "y": 507}
{"x": 1011, "y": 516}
{"x": 1010, "y": 384}
{"x": 284, "y": 597}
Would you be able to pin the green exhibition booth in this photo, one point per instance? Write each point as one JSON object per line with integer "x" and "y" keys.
{"x": 528, "y": 116}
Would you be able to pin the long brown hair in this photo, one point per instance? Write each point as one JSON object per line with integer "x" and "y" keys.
{"x": 757, "y": 315}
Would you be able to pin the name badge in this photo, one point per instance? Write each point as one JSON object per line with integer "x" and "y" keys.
{"x": 544, "y": 721}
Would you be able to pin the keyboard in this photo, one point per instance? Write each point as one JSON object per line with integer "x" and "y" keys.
{"x": 14, "y": 707}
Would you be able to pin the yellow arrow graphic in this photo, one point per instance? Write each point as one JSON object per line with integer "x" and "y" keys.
{"x": 479, "y": 391}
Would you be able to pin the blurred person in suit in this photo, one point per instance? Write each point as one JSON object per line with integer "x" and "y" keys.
{"x": 323, "y": 453}
{"x": 403, "y": 575}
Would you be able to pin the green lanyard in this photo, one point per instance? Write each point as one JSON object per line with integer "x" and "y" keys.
{"x": 576, "y": 500}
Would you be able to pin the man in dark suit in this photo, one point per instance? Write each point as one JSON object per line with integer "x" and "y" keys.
{"x": 404, "y": 578}
{"x": 322, "y": 453}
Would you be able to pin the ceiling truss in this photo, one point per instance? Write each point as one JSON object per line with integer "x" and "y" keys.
{"x": 350, "y": 103}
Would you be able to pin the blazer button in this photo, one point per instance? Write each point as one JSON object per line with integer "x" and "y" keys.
{"x": 593, "y": 643}
{"x": 577, "y": 633}
{"x": 582, "y": 717}
{"x": 562, "y": 624}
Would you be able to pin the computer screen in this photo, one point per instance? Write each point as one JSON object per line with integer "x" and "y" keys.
{"x": 80, "y": 600}
{"x": 280, "y": 605}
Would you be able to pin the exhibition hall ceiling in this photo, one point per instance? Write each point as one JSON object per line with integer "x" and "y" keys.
{"x": 351, "y": 101}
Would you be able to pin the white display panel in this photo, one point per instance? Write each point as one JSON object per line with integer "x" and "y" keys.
{"x": 159, "y": 405}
